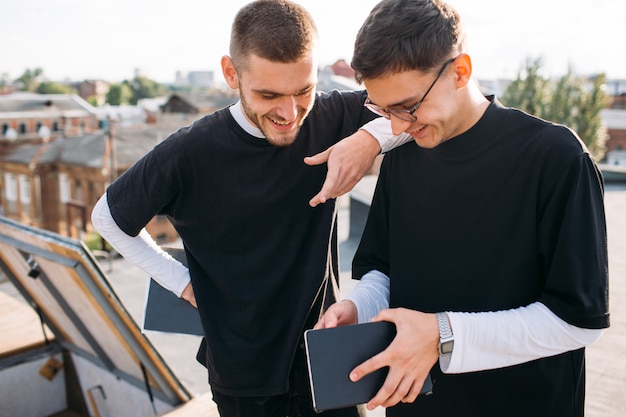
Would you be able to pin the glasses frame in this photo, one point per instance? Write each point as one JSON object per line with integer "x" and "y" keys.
{"x": 405, "y": 114}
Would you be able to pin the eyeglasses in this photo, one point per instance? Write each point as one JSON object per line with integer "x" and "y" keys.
{"x": 405, "y": 114}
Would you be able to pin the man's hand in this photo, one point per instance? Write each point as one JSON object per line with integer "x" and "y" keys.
{"x": 410, "y": 357}
{"x": 348, "y": 160}
{"x": 189, "y": 296}
{"x": 338, "y": 314}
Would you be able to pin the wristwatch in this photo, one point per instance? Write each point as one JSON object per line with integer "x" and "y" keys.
{"x": 446, "y": 337}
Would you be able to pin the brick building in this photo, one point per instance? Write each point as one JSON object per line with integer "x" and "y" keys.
{"x": 93, "y": 89}
{"x": 55, "y": 162}
{"x": 34, "y": 118}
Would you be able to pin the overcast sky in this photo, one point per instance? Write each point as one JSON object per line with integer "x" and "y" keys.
{"x": 109, "y": 39}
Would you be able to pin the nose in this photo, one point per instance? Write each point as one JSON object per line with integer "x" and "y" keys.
{"x": 399, "y": 126}
{"x": 287, "y": 108}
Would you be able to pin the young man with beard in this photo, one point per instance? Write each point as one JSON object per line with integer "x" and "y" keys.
{"x": 262, "y": 261}
{"x": 486, "y": 235}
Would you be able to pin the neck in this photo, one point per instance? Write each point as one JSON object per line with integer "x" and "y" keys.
{"x": 237, "y": 111}
{"x": 477, "y": 104}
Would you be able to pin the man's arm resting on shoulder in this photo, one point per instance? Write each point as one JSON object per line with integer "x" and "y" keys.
{"x": 380, "y": 130}
{"x": 349, "y": 159}
{"x": 143, "y": 252}
{"x": 487, "y": 340}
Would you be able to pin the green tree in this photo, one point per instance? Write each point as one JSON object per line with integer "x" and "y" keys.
{"x": 30, "y": 79}
{"x": 50, "y": 87}
{"x": 143, "y": 87}
{"x": 570, "y": 100}
{"x": 529, "y": 91}
{"x": 566, "y": 98}
{"x": 588, "y": 122}
{"x": 4, "y": 80}
{"x": 119, "y": 94}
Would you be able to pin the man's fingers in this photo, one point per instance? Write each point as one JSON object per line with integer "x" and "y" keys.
{"x": 325, "y": 193}
{"x": 390, "y": 393}
{"x": 413, "y": 393}
{"x": 189, "y": 295}
{"x": 343, "y": 172}
{"x": 335, "y": 185}
{"x": 319, "y": 158}
{"x": 367, "y": 367}
{"x": 397, "y": 388}
{"x": 326, "y": 322}
{"x": 338, "y": 314}
{"x": 318, "y": 199}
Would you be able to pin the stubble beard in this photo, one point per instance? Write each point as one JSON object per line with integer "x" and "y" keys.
{"x": 281, "y": 140}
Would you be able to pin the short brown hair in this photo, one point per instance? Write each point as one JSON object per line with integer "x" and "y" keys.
{"x": 405, "y": 35}
{"x": 276, "y": 30}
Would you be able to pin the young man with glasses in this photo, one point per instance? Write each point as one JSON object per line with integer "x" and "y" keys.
{"x": 486, "y": 239}
{"x": 262, "y": 262}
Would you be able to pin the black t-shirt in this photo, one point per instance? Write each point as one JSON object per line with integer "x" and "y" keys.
{"x": 504, "y": 215}
{"x": 261, "y": 259}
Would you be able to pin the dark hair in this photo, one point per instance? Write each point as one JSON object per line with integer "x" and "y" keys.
{"x": 277, "y": 30}
{"x": 405, "y": 35}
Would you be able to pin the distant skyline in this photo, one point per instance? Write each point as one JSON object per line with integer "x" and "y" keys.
{"x": 109, "y": 39}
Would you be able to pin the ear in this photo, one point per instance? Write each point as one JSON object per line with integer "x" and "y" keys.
{"x": 230, "y": 74}
{"x": 463, "y": 70}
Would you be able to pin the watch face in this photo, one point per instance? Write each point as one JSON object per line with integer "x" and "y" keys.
{"x": 446, "y": 347}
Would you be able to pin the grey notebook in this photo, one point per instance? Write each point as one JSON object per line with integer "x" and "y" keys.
{"x": 165, "y": 312}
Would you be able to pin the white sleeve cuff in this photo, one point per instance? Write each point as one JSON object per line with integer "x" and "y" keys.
{"x": 370, "y": 295}
{"x": 380, "y": 128}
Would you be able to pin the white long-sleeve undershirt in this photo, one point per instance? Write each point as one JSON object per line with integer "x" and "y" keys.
{"x": 140, "y": 250}
{"x": 380, "y": 128}
{"x": 487, "y": 340}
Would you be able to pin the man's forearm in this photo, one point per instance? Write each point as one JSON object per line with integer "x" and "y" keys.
{"x": 490, "y": 340}
{"x": 141, "y": 250}
{"x": 380, "y": 129}
{"x": 487, "y": 340}
{"x": 370, "y": 295}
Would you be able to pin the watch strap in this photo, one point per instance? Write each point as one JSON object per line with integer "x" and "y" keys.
{"x": 446, "y": 337}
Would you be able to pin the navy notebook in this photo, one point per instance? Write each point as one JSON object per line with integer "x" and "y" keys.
{"x": 332, "y": 353}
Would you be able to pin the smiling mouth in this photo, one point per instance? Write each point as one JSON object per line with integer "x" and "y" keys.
{"x": 281, "y": 123}
{"x": 417, "y": 131}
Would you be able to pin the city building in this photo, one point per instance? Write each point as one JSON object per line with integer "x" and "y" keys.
{"x": 58, "y": 154}
{"x": 36, "y": 118}
{"x": 95, "y": 90}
